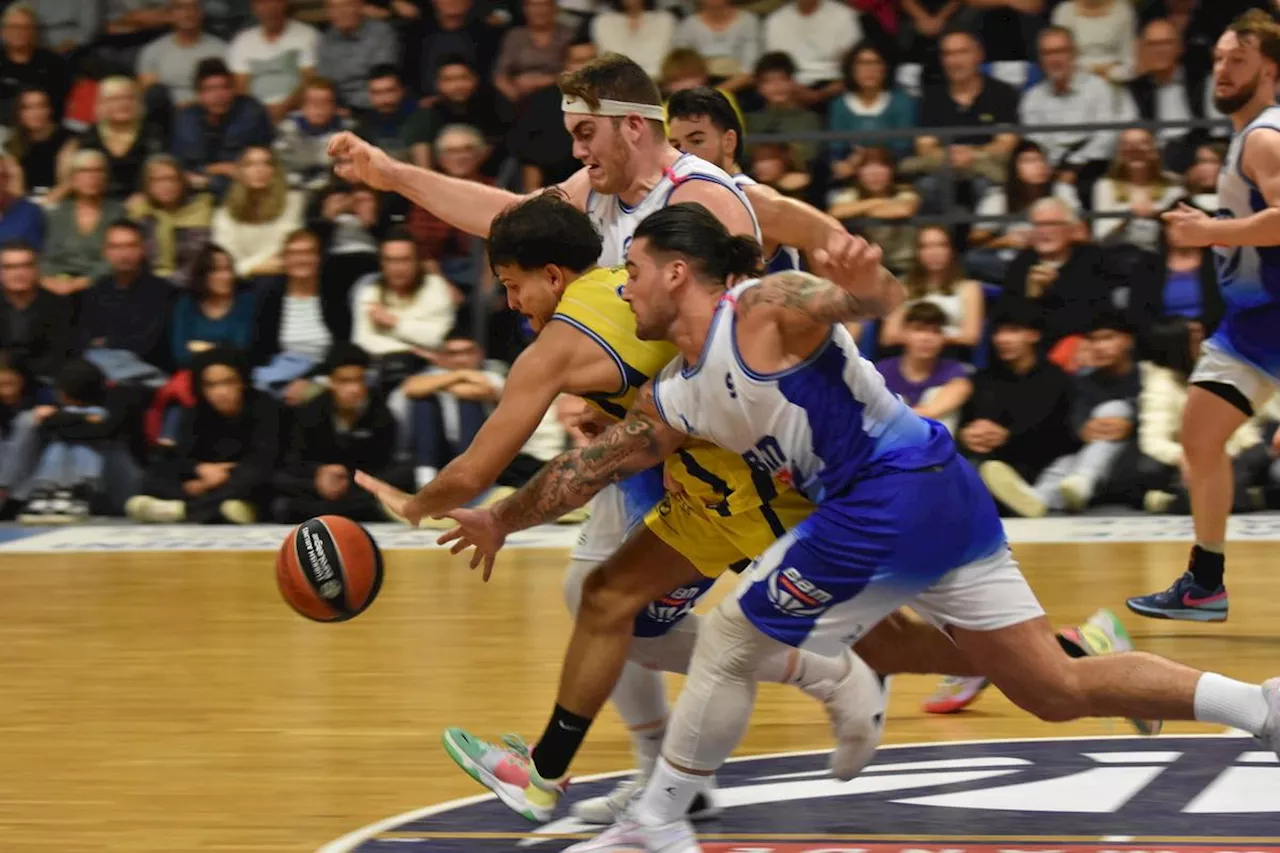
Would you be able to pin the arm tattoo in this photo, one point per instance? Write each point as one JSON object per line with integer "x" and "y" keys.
{"x": 815, "y": 297}
{"x": 571, "y": 479}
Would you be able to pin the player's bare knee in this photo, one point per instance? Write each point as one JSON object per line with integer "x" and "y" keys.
{"x": 607, "y": 603}
{"x": 575, "y": 577}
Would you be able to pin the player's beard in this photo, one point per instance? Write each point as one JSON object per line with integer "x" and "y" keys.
{"x": 654, "y": 326}
{"x": 1231, "y": 104}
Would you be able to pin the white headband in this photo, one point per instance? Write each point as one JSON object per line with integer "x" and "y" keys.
{"x": 577, "y": 106}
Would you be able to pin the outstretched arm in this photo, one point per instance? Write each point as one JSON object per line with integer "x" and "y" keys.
{"x": 464, "y": 204}
{"x": 640, "y": 441}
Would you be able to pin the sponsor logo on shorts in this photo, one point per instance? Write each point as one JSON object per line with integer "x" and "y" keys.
{"x": 795, "y": 596}
{"x": 1077, "y": 795}
{"x": 673, "y": 606}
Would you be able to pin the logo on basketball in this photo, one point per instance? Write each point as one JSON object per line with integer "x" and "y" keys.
{"x": 330, "y": 589}
{"x": 1128, "y": 794}
{"x": 795, "y": 596}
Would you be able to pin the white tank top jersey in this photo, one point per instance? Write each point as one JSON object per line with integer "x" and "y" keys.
{"x": 617, "y": 222}
{"x": 821, "y": 425}
{"x": 784, "y": 257}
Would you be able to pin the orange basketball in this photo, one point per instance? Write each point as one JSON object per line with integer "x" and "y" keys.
{"x": 329, "y": 569}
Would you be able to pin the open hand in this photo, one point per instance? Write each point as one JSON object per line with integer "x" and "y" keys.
{"x": 398, "y": 503}
{"x": 478, "y": 529}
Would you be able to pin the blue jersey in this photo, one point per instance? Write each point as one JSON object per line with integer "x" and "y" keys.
{"x": 1249, "y": 275}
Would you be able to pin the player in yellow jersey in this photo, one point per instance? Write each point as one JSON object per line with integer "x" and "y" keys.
{"x": 722, "y": 512}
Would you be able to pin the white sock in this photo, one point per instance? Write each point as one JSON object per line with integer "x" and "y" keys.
{"x": 647, "y": 746}
{"x": 1232, "y": 703}
{"x": 667, "y": 797}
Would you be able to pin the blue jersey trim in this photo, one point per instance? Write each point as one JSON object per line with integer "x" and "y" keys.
{"x": 689, "y": 371}
{"x": 729, "y": 185}
{"x": 657, "y": 404}
{"x": 617, "y": 359}
{"x": 781, "y": 374}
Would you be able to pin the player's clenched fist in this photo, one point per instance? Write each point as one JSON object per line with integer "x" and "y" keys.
{"x": 357, "y": 161}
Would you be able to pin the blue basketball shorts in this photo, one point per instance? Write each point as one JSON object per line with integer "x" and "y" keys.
{"x": 929, "y": 539}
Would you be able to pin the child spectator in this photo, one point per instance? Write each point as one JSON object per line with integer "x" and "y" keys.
{"x": 222, "y": 464}
{"x": 783, "y": 111}
{"x": 932, "y": 386}
{"x": 343, "y": 430}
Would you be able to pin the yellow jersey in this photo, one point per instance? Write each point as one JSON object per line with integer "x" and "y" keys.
{"x": 718, "y": 479}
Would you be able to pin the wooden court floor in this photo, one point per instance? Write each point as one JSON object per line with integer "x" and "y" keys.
{"x": 171, "y": 702}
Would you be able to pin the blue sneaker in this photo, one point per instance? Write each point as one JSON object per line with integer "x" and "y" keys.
{"x": 1185, "y": 600}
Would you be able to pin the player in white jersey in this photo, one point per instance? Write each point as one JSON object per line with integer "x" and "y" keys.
{"x": 1239, "y": 366}
{"x": 769, "y": 371}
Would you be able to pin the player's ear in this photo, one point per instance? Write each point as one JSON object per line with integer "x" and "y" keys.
{"x": 729, "y": 143}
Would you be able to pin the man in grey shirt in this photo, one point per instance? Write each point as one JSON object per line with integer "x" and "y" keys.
{"x": 171, "y": 60}
{"x": 66, "y": 24}
{"x": 350, "y": 49}
{"x": 1068, "y": 95}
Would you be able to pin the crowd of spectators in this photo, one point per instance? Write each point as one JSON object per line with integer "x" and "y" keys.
{"x": 199, "y": 322}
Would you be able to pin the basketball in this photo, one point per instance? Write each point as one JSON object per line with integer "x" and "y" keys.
{"x": 329, "y": 569}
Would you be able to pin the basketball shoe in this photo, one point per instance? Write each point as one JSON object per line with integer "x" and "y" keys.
{"x": 1186, "y": 600}
{"x": 507, "y": 770}
{"x": 628, "y": 834}
{"x": 605, "y": 810}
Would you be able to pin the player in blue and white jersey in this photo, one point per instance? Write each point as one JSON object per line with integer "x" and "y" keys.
{"x": 769, "y": 371}
{"x": 1239, "y": 367}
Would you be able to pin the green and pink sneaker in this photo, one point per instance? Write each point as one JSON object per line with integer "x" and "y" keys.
{"x": 506, "y": 769}
{"x": 1104, "y": 634}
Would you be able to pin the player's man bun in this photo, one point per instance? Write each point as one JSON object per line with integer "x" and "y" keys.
{"x": 690, "y": 230}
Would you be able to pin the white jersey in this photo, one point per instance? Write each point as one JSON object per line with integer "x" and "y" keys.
{"x": 784, "y": 257}
{"x": 821, "y": 425}
{"x": 617, "y": 222}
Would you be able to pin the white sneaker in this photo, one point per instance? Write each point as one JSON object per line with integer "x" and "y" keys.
{"x": 1008, "y": 487}
{"x": 603, "y": 811}
{"x": 855, "y": 707}
{"x": 630, "y": 836}
{"x": 1271, "y": 728}
{"x": 1077, "y": 491}
{"x": 155, "y": 511}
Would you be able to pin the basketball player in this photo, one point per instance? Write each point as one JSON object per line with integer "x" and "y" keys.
{"x": 543, "y": 251}
{"x": 768, "y": 371}
{"x": 1239, "y": 365}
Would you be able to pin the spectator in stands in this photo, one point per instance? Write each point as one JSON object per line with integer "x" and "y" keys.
{"x": 170, "y": 61}
{"x": 1183, "y": 282}
{"x": 870, "y": 101}
{"x": 175, "y": 218}
{"x": 351, "y": 47}
{"x": 302, "y": 139}
{"x": 297, "y": 322}
{"x": 77, "y": 226}
{"x": 460, "y": 29}
{"x": 1201, "y": 179}
{"x": 386, "y": 124}
{"x": 210, "y": 136}
{"x": 1104, "y": 32}
{"x": 636, "y": 29}
{"x": 20, "y": 218}
{"x": 1007, "y": 27}
{"x": 1017, "y": 422}
{"x": 37, "y": 143}
{"x": 685, "y": 69}
{"x": 343, "y": 430}
{"x": 81, "y": 445}
{"x": 351, "y": 225}
{"x": 1068, "y": 95}
{"x": 400, "y": 310}
{"x": 531, "y": 55}
{"x": 124, "y": 316}
{"x": 538, "y": 139}
{"x": 934, "y": 387}
{"x": 784, "y": 105}
{"x": 1137, "y": 188}
{"x": 259, "y": 213}
{"x": 1162, "y": 91}
{"x": 816, "y": 34}
{"x": 35, "y": 324}
{"x": 463, "y": 98}
{"x": 17, "y": 422}
{"x": 459, "y": 151}
{"x": 879, "y": 208}
{"x": 132, "y": 23}
{"x": 967, "y": 98}
{"x": 123, "y": 135}
{"x": 937, "y": 277}
{"x": 274, "y": 60}
{"x": 727, "y": 37}
{"x": 227, "y": 446}
{"x": 66, "y": 25}
{"x": 23, "y": 64}
{"x": 1066, "y": 279}
{"x": 995, "y": 244}
{"x": 216, "y": 310}
{"x": 775, "y": 165}
{"x": 1174, "y": 347}
{"x": 922, "y": 27}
